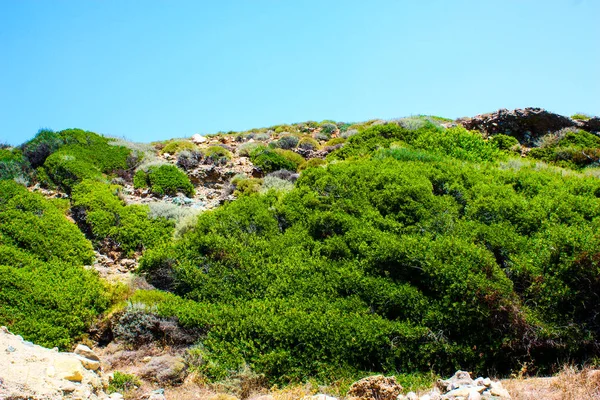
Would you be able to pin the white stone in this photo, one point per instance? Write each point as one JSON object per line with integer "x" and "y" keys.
{"x": 84, "y": 351}
{"x": 197, "y": 138}
{"x": 412, "y": 396}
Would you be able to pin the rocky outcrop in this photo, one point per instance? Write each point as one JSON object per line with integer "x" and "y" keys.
{"x": 462, "y": 387}
{"x": 376, "y": 387}
{"x": 28, "y": 371}
{"x": 590, "y": 125}
{"x": 526, "y": 125}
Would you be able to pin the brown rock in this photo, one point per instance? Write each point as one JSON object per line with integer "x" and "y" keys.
{"x": 526, "y": 125}
{"x": 376, "y": 387}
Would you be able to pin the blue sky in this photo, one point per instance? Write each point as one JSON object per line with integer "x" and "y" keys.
{"x": 150, "y": 70}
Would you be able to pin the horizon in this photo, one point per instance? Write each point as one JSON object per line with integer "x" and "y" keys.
{"x": 152, "y": 71}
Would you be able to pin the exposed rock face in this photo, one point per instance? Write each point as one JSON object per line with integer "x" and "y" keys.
{"x": 525, "y": 124}
{"x": 28, "y": 371}
{"x": 376, "y": 387}
{"x": 591, "y": 125}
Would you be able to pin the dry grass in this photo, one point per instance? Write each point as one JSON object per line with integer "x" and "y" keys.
{"x": 570, "y": 384}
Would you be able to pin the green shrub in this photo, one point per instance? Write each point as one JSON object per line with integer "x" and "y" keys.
{"x": 163, "y": 180}
{"x": 269, "y": 160}
{"x": 395, "y": 262}
{"x": 287, "y": 142}
{"x": 41, "y": 146}
{"x": 177, "y": 146}
{"x": 335, "y": 141}
{"x": 46, "y": 296}
{"x": 99, "y": 212}
{"x": 296, "y": 159}
{"x": 313, "y": 162}
{"x": 308, "y": 143}
{"x": 122, "y": 382}
{"x": 83, "y": 155}
{"x": 581, "y": 117}
{"x": 245, "y": 186}
{"x": 328, "y": 128}
{"x": 217, "y": 155}
{"x": 504, "y": 142}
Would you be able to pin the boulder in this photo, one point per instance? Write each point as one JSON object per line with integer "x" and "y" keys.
{"x": 376, "y": 387}
{"x": 590, "y": 125}
{"x": 526, "y": 125}
{"x": 84, "y": 351}
{"x": 68, "y": 368}
{"x": 198, "y": 139}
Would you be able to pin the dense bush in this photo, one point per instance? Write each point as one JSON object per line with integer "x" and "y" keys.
{"x": 308, "y": 143}
{"x": 287, "y": 142}
{"x": 45, "y": 294}
{"x": 82, "y": 155}
{"x": 189, "y": 159}
{"x": 269, "y": 160}
{"x": 164, "y": 180}
{"x": 570, "y": 148}
{"x": 405, "y": 261}
{"x": 108, "y": 222}
{"x": 217, "y": 155}
{"x": 177, "y": 146}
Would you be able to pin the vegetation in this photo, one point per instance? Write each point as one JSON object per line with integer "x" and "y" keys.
{"x": 45, "y": 293}
{"x": 164, "y": 180}
{"x": 404, "y": 261}
{"x": 102, "y": 215}
{"x": 413, "y": 249}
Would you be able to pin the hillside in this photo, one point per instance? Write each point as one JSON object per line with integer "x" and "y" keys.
{"x": 314, "y": 253}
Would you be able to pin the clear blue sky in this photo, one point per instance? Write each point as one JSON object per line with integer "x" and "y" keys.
{"x": 151, "y": 70}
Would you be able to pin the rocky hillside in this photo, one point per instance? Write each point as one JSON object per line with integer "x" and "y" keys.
{"x": 303, "y": 256}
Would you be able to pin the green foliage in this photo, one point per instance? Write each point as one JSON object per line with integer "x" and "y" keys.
{"x": 581, "y": 117}
{"x": 38, "y": 227}
{"x": 335, "y": 141}
{"x": 177, "y": 146}
{"x": 82, "y": 155}
{"x": 163, "y": 180}
{"x": 122, "y": 382}
{"x": 45, "y": 294}
{"x": 104, "y": 217}
{"x": 269, "y": 160}
{"x": 313, "y": 162}
{"x": 308, "y": 143}
{"x": 570, "y": 148}
{"x": 218, "y": 155}
{"x": 504, "y": 142}
{"x": 245, "y": 186}
{"x": 402, "y": 262}
{"x": 287, "y": 142}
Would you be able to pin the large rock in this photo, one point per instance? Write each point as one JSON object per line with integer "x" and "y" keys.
{"x": 376, "y": 387}
{"x": 526, "y": 125}
{"x": 590, "y": 125}
{"x": 198, "y": 139}
{"x": 28, "y": 371}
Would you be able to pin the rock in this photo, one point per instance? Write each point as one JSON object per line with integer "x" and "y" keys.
{"x": 412, "y": 396}
{"x": 92, "y": 365}
{"x": 198, "y": 139}
{"x": 526, "y": 125}
{"x": 319, "y": 396}
{"x": 591, "y": 125}
{"x": 86, "y": 352}
{"x": 68, "y": 368}
{"x": 425, "y": 397}
{"x": 36, "y": 372}
{"x": 460, "y": 378}
{"x": 474, "y": 395}
{"x": 116, "y": 396}
{"x": 497, "y": 390}
{"x": 376, "y": 387}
